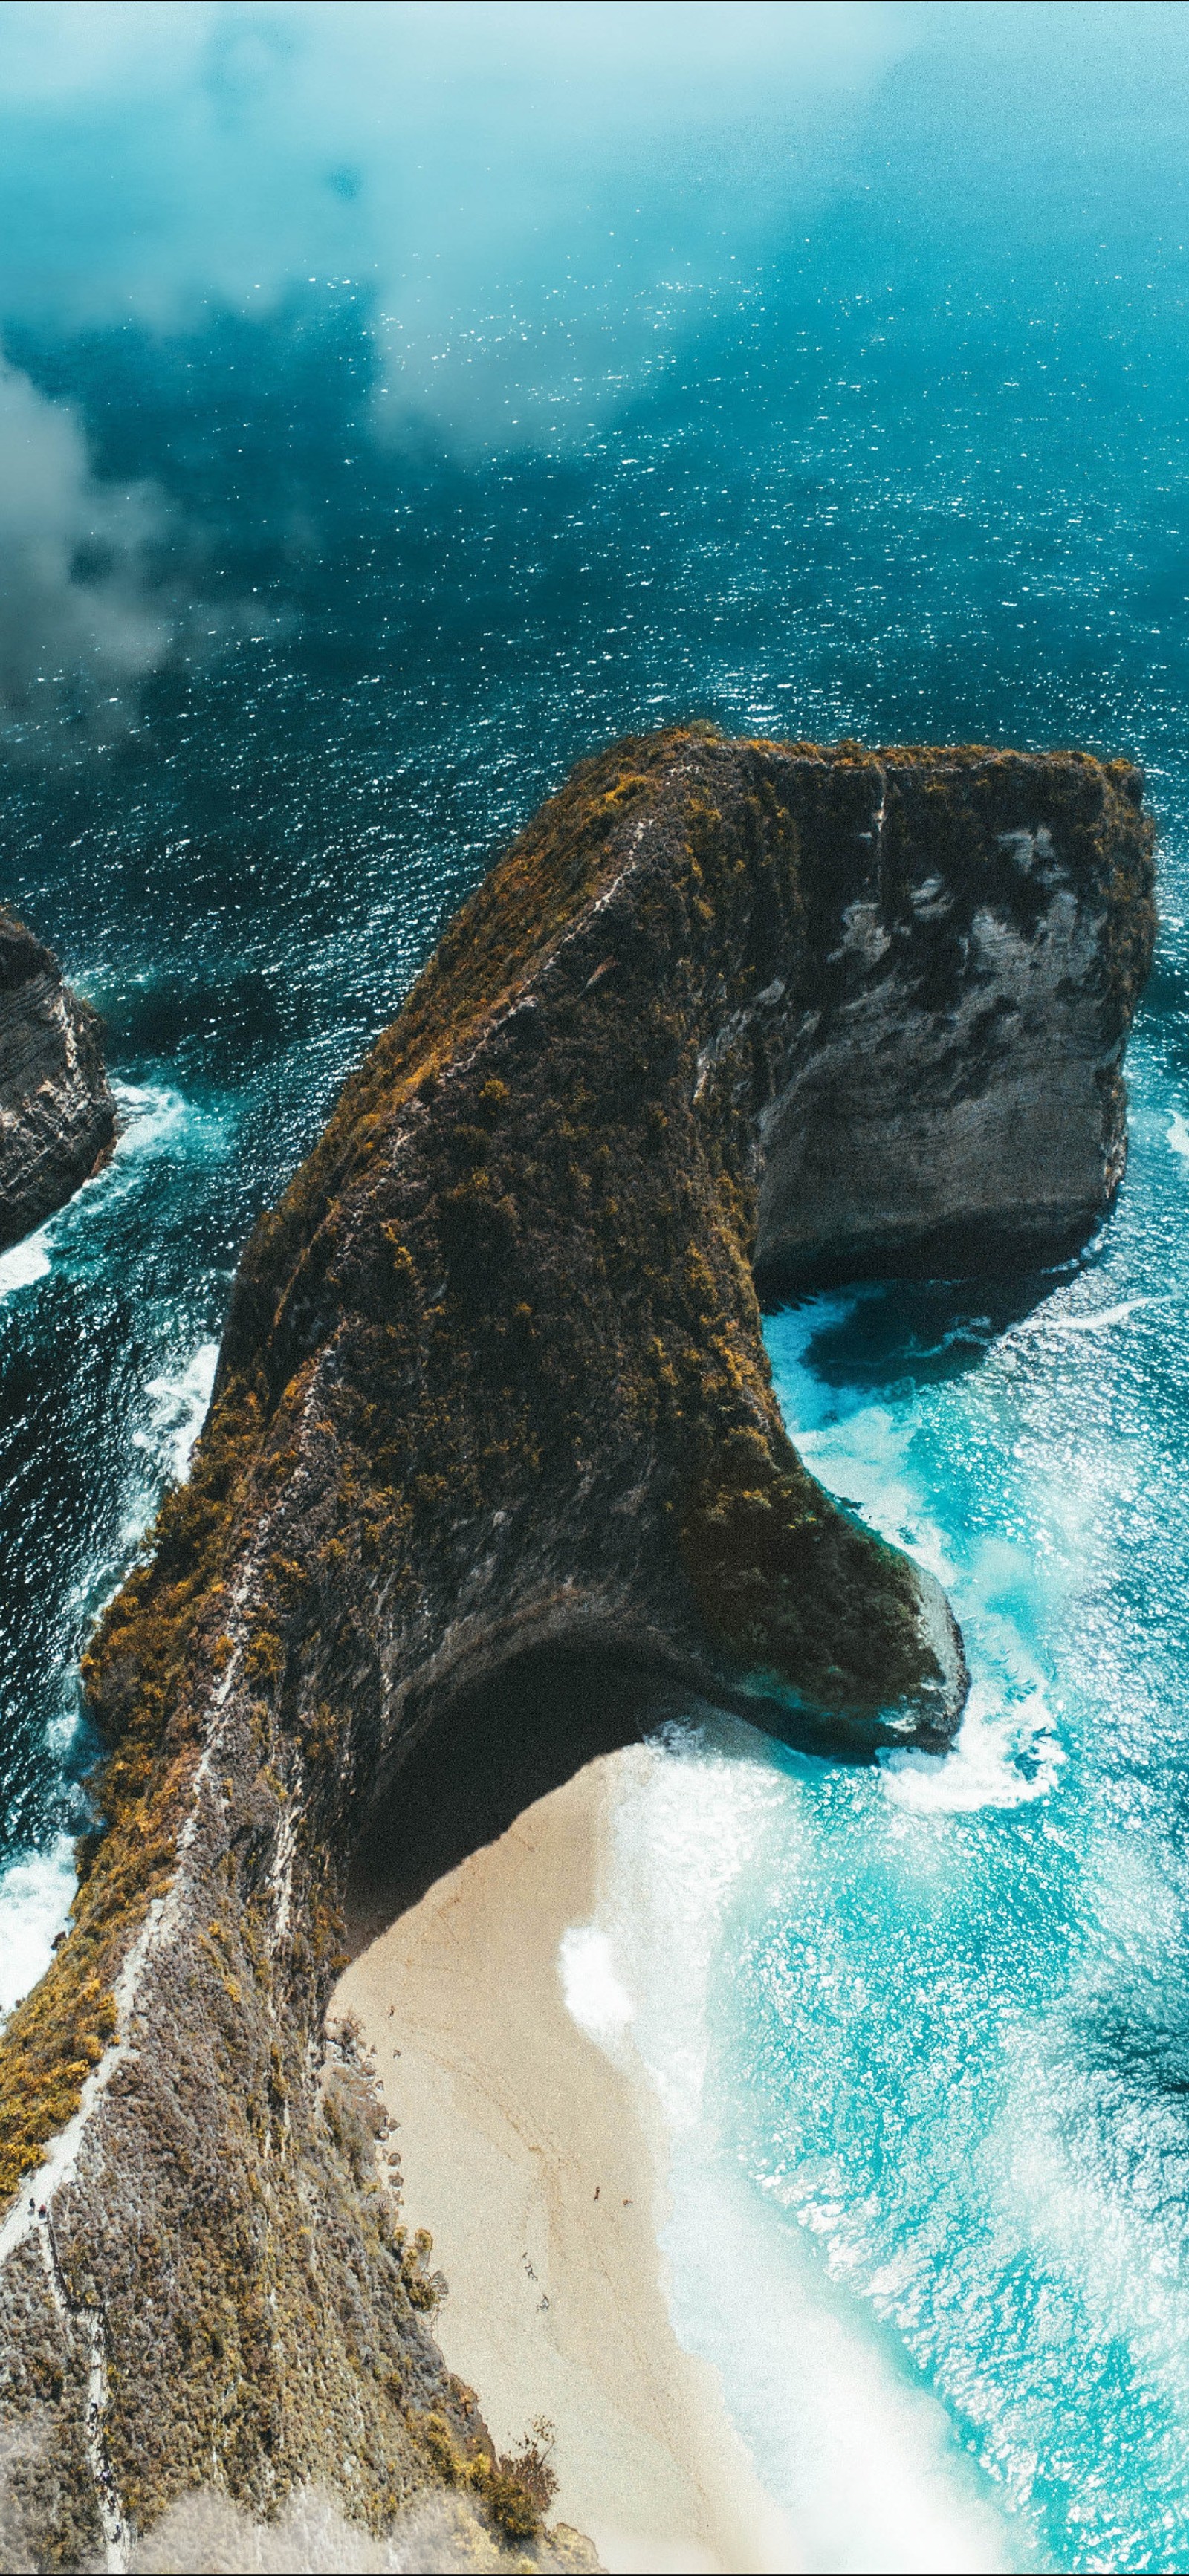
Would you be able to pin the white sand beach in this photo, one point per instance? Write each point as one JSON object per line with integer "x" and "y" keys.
{"x": 539, "y": 2169}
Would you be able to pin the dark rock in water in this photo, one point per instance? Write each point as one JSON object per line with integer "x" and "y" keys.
{"x": 493, "y": 1393}
{"x": 57, "y": 1115}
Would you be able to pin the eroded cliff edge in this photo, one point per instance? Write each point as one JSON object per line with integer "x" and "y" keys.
{"x": 493, "y": 1380}
{"x": 57, "y": 1115}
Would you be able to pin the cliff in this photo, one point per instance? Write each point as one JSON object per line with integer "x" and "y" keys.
{"x": 493, "y": 1386}
{"x": 57, "y": 1115}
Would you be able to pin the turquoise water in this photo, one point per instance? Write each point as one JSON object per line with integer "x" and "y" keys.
{"x": 395, "y": 405}
{"x": 948, "y": 2013}
{"x": 929, "y": 2084}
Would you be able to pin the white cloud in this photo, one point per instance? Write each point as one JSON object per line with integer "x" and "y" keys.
{"x": 532, "y": 191}
{"x": 529, "y": 200}
{"x": 56, "y": 50}
{"x": 77, "y": 628}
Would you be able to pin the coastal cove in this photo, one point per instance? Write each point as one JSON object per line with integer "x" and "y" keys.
{"x": 921, "y": 2074}
{"x": 594, "y": 1430}
{"x": 493, "y": 1451}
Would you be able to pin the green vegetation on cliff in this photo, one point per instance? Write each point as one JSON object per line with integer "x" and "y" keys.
{"x": 493, "y": 1379}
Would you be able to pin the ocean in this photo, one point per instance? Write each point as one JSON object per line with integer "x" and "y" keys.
{"x": 396, "y": 405}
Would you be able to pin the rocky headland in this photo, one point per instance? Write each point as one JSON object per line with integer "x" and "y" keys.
{"x": 57, "y": 1115}
{"x": 493, "y": 1398}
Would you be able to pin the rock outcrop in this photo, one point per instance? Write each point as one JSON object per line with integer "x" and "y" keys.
{"x": 493, "y": 1383}
{"x": 953, "y": 1098}
{"x": 57, "y": 1115}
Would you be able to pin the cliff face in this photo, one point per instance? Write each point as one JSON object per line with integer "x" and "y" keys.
{"x": 493, "y": 1381}
{"x": 952, "y": 1095}
{"x": 57, "y": 1115}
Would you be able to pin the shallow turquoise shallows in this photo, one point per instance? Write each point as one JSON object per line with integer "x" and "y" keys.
{"x": 395, "y": 406}
{"x": 942, "y": 2119}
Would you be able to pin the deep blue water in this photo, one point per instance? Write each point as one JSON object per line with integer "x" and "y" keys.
{"x": 397, "y": 404}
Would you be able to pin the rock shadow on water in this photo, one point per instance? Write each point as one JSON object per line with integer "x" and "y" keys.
{"x": 871, "y": 1332}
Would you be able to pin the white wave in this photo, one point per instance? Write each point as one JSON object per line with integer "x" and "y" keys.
{"x": 146, "y": 1113}
{"x": 1005, "y": 1755}
{"x": 1053, "y": 1317}
{"x": 179, "y": 1410}
{"x": 861, "y": 2465}
{"x": 864, "y": 2464}
{"x": 864, "y": 1459}
{"x": 1178, "y": 1134}
{"x": 35, "y": 1895}
{"x": 148, "y": 1120}
{"x": 595, "y": 1998}
{"x": 805, "y": 1400}
{"x": 148, "y": 1117}
{"x": 26, "y": 1262}
{"x": 1102, "y": 1320}
{"x": 152, "y": 1118}
{"x": 685, "y": 1826}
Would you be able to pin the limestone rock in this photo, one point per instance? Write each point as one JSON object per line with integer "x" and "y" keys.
{"x": 951, "y": 1096}
{"x": 57, "y": 1115}
{"x": 493, "y": 1383}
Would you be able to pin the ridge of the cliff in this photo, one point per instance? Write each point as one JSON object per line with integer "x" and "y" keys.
{"x": 57, "y": 1115}
{"x": 493, "y": 1384}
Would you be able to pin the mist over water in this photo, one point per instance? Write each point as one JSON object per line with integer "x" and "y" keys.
{"x": 397, "y": 404}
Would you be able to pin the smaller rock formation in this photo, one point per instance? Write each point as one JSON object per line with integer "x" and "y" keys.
{"x": 57, "y": 1115}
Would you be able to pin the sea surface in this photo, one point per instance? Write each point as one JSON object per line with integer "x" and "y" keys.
{"x": 395, "y": 405}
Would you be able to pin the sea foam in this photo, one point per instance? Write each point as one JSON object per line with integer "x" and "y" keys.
{"x": 151, "y": 1120}
{"x": 1005, "y": 1754}
{"x": 594, "y": 1995}
{"x": 35, "y": 1894}
{"x": 180, "y": 1405}
{"x": 861, "y": 2464}
{"x": 26, "y": 1262}
{"x": 36, "y": 1888}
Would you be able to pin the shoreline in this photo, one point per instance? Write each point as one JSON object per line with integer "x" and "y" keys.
{"x": 540, "y": 2169}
